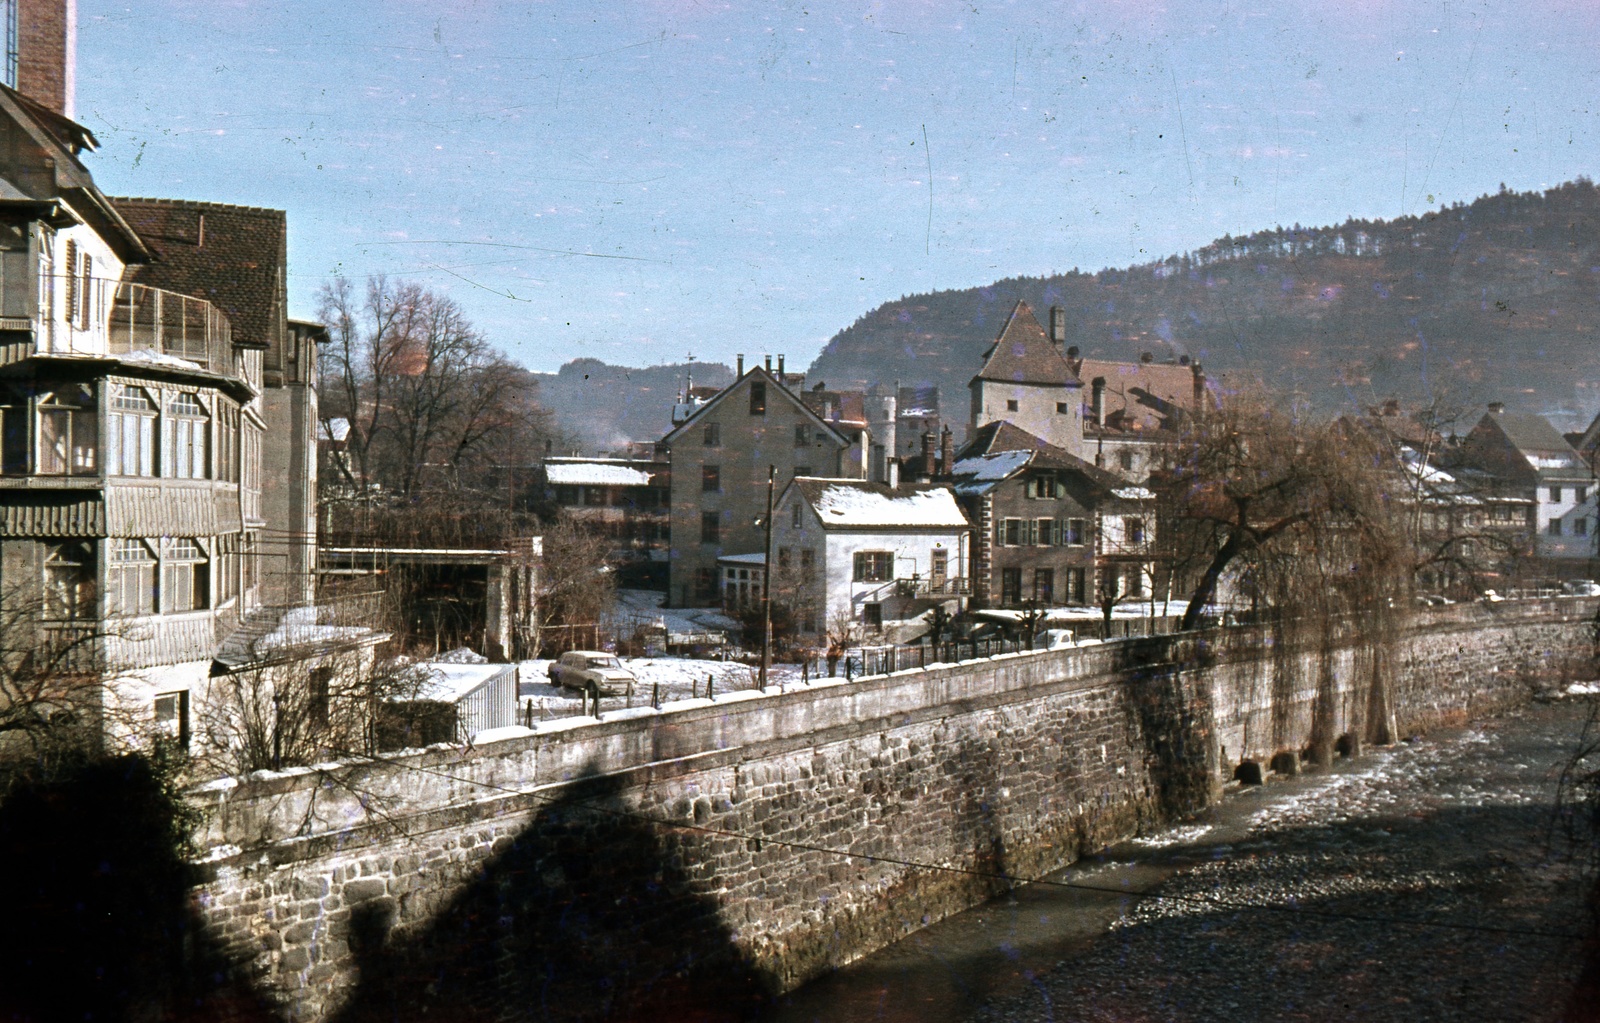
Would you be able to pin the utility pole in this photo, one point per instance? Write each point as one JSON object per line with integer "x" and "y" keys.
{"x": 766, "y": 584}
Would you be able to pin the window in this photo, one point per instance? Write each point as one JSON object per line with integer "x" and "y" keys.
{"x": 15, "y": 285}
{"x": 802, "y": 470}
{"x": 1580, "y": 494}
{"x": 594, "y": 497}
{"x": 69, "y": 431}
{"x": 1555, "y": 495}
{"x": 808, "y": 563}
{"x": 1554, "y": 527}
{"x": 783, "y": 559}
{"x": 131, "y": 581}
{"x": 1076, "y": 593}
{"x": 795, "y": 520}
{"x": 172, "y": 716}
{"x": 131, "y": 434}
{"x": 802, "y": 436}
{"x": 184, "y": 456}
{"x": 710, "y": 479}
{"x": 705, "y": 584}
{"x": 873, "y": 566}
{"x": 69, "y": 580}
{"x": 712, "y": 438}
{"x": 248, "y": 565}
{"x": 566, "y": 494}
{"x": 1075, "y": 532}
{"x": 872, "y": 614}
{"x": 758, "y": 398}
{"x": 1011, "y": 586}
{"x": 1062, "y": 408}
{"x": 1044, "y": 533}
{"x": 1125, "y": 458}
{"x": 1010, "y": 532}
{"x": 185, "y": 576}
{"x": 1580, "y": 526}
{"x": 1044, "y": 585}
{"x": 1134, "y": 529}
{"x": 1044, "y": 486}
{"x": 939, "y": 567}
{"x": 710, "y": 527}
{"x": 1011, "y": 405}
{"x": 227, "y": 442}
{"x": 227, "y": 568}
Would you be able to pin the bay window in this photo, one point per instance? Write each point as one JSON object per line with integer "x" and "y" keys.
{"x": 131, "y": 578}
{"x": 184, "y": 453}
{"x": 185, "y": 576}
{"x": 131, "y": 434}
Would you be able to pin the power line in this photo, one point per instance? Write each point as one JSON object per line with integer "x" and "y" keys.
{"x": 1010, "y": 879}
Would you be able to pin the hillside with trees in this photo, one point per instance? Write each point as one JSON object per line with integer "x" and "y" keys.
{"x": 1496, "y": 299}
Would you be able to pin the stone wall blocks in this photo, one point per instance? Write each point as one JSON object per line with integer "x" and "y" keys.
{"x": 359, "y": 891}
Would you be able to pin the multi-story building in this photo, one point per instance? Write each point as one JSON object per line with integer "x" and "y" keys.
{"x": 137, "y": 417}
{"x": 720, "y": 454}
{"x": 1049, "y": 528}
{"x": 860, "y": 553}
{"x": 1027, "y": 381}
{"x": 625, "y": 499}
{"x": 1528, "y": 459}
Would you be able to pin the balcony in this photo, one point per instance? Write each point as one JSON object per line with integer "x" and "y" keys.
{"x": 916, "y": 586}
{"x": 164, "y": 323}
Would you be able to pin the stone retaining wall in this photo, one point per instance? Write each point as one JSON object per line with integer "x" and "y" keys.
{"x": 729, "y": 850}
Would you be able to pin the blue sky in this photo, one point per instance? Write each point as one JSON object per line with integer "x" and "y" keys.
{"x": 636, "y": 181}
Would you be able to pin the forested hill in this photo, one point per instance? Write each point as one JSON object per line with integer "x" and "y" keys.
{"x": 1496, "y": 299}
{"x": 601, "y": 407}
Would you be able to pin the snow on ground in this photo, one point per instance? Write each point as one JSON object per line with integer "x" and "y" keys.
{"x": 678, "y": 678}
{"x": 637, "y": 608}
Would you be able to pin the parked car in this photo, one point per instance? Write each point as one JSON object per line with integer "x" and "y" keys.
{"x": 1581, "y": 587}
{"x": 577, "y": 669}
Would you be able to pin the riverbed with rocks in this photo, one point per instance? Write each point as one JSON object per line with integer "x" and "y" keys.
{"x": 1427, "y": 881}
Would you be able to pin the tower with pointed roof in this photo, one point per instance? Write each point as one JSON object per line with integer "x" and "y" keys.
{"x": 1027, "y": 381}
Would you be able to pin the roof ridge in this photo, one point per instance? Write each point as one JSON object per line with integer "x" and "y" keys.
{"x": 192, "y": 203}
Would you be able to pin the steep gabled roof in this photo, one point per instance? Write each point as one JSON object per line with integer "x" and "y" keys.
{"x": 1023, "y": 354}
{"x": 1530, "y": 432}
{"x": 775, "y": 390}
{"x": 231, "y": 256}
{"x": 859, "y": 504}
{"x": 992, "y": 449}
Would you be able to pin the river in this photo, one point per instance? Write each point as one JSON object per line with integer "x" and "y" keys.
{"x": 1422, "y": 881}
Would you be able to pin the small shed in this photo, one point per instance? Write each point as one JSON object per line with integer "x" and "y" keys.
{"x": 450, "y": 703}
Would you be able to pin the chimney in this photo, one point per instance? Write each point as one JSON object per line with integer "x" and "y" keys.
{"x": 928, "y": 468}
{"x": 780, "y": 367}
{"x": 892, "y": 468}
{"x": 1146, "y": 358}
{"x": 739, "y": 372}
{"x": 1097, "y": 401}
{"x": 47, "y": 57}
{"x": 947, "y": 452}
{"x": 1199, "y": 387}
{"x": 1497, "y": 407}
{"x": 1058, "y": 325}
{"x": 769, "y": 364}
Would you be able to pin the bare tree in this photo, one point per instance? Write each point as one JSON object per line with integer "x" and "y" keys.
{"x": 577, "y": 586}
{"x": 431, "y": 404}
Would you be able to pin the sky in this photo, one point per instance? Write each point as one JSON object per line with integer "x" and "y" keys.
{"x": 643, "y": 180}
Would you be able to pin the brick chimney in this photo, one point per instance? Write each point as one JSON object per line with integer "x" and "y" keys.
{"x": 928, "y": 467}
{"x": 947, "y": 452}
{"x": 47, "y": 52}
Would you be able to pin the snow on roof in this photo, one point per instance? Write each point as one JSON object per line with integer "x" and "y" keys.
{"x": 146, "y": 357}
{"x": 992, "y": 467}
{"x": 745, "y": 559}
{"x": 919, "y": 413}
{"x": 847, "y": 503}
{"x": 1134, "y": 493}
{"x": 447, "y": 683}
{"x": 596, "y": 474}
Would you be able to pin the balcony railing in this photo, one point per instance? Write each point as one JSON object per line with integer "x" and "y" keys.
{"x": 919, "y": 587}
{"x": 146, "y": 319}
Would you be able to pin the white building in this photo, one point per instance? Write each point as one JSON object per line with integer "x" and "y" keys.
{"x": 867, "y": 553}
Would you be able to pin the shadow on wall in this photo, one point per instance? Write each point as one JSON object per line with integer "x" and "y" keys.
{"x": 591, "y": 913}
{"x": 97, "y": 896}
{"x": 1173, "y": 717}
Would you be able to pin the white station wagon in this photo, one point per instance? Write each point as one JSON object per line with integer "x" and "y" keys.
{"x": 576, "y": 669}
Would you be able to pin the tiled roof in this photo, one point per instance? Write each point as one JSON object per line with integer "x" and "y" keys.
{"x": 1023, "y": 354}
{"x": 233, "y": 258}
{"x": 1530, "y": 432}
{"x": 1141, "y": 396}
